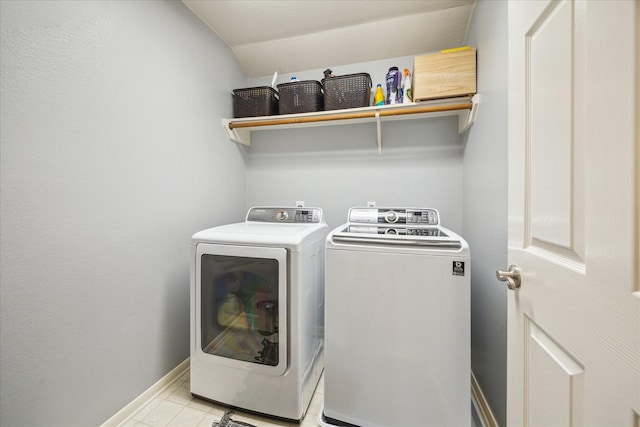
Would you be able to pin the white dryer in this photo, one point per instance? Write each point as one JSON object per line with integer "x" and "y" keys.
{"x": 257, "y": 311}
{"x": 397, "y": 321}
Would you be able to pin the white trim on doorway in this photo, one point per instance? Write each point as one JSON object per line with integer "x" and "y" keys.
{"x": 480, "y": 404}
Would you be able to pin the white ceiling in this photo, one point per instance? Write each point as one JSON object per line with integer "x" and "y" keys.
{"x": 296, "y": 35}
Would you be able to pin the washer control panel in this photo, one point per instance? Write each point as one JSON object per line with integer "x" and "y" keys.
{"x": 400, "y": 231}
{"x": 285, "y": 215}
{"x": 399, "y": 216}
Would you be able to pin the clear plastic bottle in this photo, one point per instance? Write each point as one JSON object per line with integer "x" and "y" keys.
{"x": 378, "y": 97}
{"x": 296, "y": 96}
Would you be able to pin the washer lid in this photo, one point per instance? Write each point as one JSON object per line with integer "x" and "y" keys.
{"x": 407, "y": 228}
{"x": 416, "y": 237}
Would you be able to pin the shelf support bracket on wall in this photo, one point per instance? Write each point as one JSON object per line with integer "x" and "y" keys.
{"x": 379, "y": 128}
{"x": 239, "y": 135}
{"x": 469, "y": 117}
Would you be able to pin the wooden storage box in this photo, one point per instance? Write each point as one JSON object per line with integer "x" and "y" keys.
{"x": 444, "y": 74}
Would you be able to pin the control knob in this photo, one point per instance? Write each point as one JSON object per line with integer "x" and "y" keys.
{"x": 391, "y": 217}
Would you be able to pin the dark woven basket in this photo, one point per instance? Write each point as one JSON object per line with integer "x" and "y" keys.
{"x": 255, "y": 101}
{"x": 300, "y": 97}
{"x": 348, "y": 91}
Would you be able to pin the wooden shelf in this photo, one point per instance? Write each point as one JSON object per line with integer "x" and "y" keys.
{"x": 239, "y": 130}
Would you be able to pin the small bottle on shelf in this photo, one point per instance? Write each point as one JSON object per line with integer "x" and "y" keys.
{"x": 296, "y": 96}
{"x": 378, "y": 98}
{"x": 394, "y": 84}
{"x": 406, "y": 87}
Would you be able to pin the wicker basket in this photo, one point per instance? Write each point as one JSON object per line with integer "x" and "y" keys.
{"x": 348, "y": 91}
{"x": 255, "y": 101}
{"x": 300, "y": 97}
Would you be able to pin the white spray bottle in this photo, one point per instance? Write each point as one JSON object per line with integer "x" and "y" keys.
{"x": 406, "y": 87}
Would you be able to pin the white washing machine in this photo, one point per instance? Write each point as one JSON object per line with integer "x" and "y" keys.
{"x": 257, "y": 311}
{"x": 397, "y": 321}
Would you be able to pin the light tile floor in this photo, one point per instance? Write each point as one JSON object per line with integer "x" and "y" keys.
{"x": 175, "y": 407}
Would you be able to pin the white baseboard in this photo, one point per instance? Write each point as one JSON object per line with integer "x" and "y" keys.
{"x": 481, "y": 405}
{"x": 123, "y": 414}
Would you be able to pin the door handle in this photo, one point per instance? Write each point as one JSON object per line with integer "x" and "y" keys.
{"x": 512, "y": 277}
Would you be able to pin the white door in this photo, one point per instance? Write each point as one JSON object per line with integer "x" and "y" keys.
{"x": 574, "y": 323}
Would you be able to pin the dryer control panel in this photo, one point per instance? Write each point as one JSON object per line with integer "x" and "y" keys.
{"x": 285, "y": 215}
{"x": 397, "y": 216}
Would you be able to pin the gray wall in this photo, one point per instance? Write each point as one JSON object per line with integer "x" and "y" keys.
{"x": 485, "y": 204}
{"x": 338, "y": 167}
{"x": 112, "y": 155}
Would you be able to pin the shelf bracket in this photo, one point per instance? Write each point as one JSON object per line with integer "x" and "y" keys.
{"x": 468, "y": 117}
{"x": 379, "y": 129}
{"x": 241, "y": 136}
